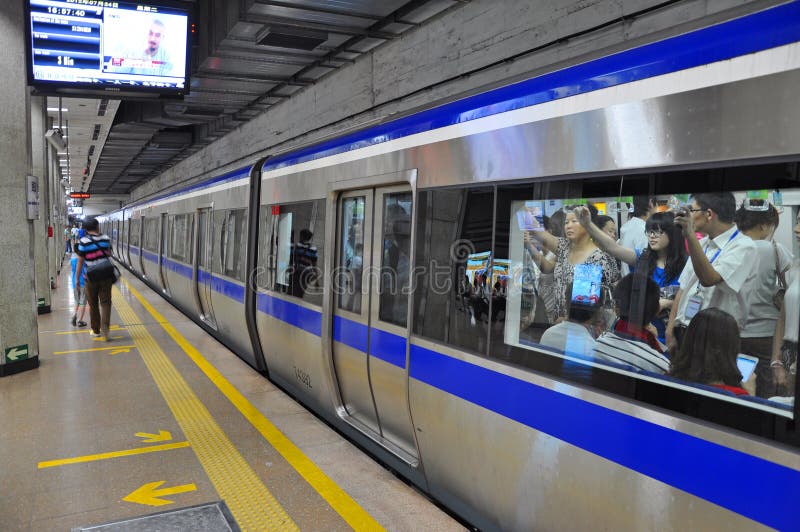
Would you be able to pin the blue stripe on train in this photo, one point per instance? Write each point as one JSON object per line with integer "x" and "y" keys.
{"x": 713, "y": 472}
{"x": 753, "y": 33}
{"x": 306, "y": 319}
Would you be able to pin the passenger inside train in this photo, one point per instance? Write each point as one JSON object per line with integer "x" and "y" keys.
{"x": 709, "y": 351}
{"x": 725, "y": 257}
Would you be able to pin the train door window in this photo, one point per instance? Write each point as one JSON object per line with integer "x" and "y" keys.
{"x": 203, "y": 240}
{"x": 263, "y": 273}
{"x": 298, "y": 243}
{"x": 454, "y": 243}
{"x": 351, "y": 255}
{"x": 218, "y": 238}
{"x": 181, "y": 237}
{"x": 395, "y": 271}
{"x": 134, "y": 232}
{"x": 234, "y": 240}
{"x": 151, "y": 234}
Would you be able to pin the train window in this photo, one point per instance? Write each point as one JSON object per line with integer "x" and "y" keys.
{"x": 181, "y": 237}
{"x": 395, "y": 258}
{"x": 134, "y": 231}
{"x": 454, "y": 243}
{"x": 696, "y": 310}
{"x": 351, "y": 255}
{"x": 218, "y": 240}
{"x": 204, "y": 242}
{"x": 233, "y": 244}
{"x": 264, "y": 271}
{"x": 151, "y": 234}
{"x": 297, "y": 247}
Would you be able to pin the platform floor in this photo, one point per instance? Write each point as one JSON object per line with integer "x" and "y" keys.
{"x": 165, "y": 417}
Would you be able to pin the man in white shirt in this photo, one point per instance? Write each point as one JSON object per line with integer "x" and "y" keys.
{"x": 718, "y": 265}
{"x": 632, "y": 233}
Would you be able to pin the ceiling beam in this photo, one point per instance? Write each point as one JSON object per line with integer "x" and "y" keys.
{"x": 329, "y": 28}
{"x": 263, "y": 56}
{"x": 327, "y": 10}
{"x": 236, "y": 76}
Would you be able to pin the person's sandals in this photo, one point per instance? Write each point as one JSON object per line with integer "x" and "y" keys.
{"x": 81, "y": 324}
{"x": 74, "y": 319}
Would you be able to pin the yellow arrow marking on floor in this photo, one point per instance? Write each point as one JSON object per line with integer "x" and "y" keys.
{"x": 149, "y": 493}
{"x": 114, "y": 350}
{"x": 162, "y": 435}
{"x": 114, "y": 454}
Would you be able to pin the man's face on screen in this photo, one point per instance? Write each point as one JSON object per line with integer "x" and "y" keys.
{"x": 154, "y": 38}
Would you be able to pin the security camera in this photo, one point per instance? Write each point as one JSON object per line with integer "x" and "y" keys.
{"x": 56, "y": 139}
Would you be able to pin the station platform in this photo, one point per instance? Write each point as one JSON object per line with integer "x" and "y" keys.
{"x": 163, "y": 417}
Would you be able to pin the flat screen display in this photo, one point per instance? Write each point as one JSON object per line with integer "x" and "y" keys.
{"x": 109, "y": 45}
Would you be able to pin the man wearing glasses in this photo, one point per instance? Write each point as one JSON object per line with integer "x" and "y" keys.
{"x": 718, "y": 266}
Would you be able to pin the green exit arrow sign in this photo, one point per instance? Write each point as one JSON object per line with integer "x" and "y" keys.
{"x": 18, "y": 352}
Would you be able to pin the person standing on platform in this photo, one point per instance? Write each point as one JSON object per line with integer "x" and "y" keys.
{"x": 79, "y": 291}
{"x": 92, "y": 247}
{"x": 67, "y": 240}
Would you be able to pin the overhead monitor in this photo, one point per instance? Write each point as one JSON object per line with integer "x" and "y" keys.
{"x": 111, "y": 47}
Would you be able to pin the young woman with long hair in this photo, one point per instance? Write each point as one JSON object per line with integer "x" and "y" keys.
{"x": 663, "y": 259}
{"x": 708, "y": 353}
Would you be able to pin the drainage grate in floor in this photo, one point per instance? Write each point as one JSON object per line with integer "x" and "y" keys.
{"x": 213, "y": 517}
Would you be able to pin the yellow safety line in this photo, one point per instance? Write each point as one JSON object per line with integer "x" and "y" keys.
{"x": 88, "y": 330}
{"x": 109, "y": 348}
{"x": 339, "y": 500}
{"x": 251, "y": 503}
{"x": 114, "y": 454}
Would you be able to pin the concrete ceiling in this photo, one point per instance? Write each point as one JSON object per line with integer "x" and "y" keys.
{"x": 250, "y": 55}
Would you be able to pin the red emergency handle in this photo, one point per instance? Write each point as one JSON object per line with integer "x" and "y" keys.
{"x": 49, "y": 231}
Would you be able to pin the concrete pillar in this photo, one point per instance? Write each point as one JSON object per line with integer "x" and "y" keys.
{"x": 19, "y": 340}
{"x": 39, "y": 168}
{"x": 52, "y": 220}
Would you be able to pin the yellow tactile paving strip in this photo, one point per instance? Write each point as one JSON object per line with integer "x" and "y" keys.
{"x": 252, "y": 504}
{"x": 338, "y": 499}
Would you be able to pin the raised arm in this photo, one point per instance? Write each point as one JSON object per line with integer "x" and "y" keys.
{"x": 703, "y": 268}
{"x": 603, "y": 240}
{"x": 540, "y": 235}
{"x": 536, "y": 255}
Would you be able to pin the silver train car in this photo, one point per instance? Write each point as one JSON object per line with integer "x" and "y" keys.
{"x": 346, "y": 272}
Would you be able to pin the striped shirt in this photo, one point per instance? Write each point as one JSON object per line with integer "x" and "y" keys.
{"x": 615, "y": 348}
{"x": 94, "y": 247}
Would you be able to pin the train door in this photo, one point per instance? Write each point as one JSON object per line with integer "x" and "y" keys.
{"x": 121, "y": 237}
{"x": 163, "y": 244}
{"x": 127, "y": 247}
{"x": 370, "y": 332}
{"x": 202, "y": 265}
{"x": 142, "y": 233}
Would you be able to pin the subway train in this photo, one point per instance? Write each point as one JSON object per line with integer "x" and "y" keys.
{"x": 380, "y": 277}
